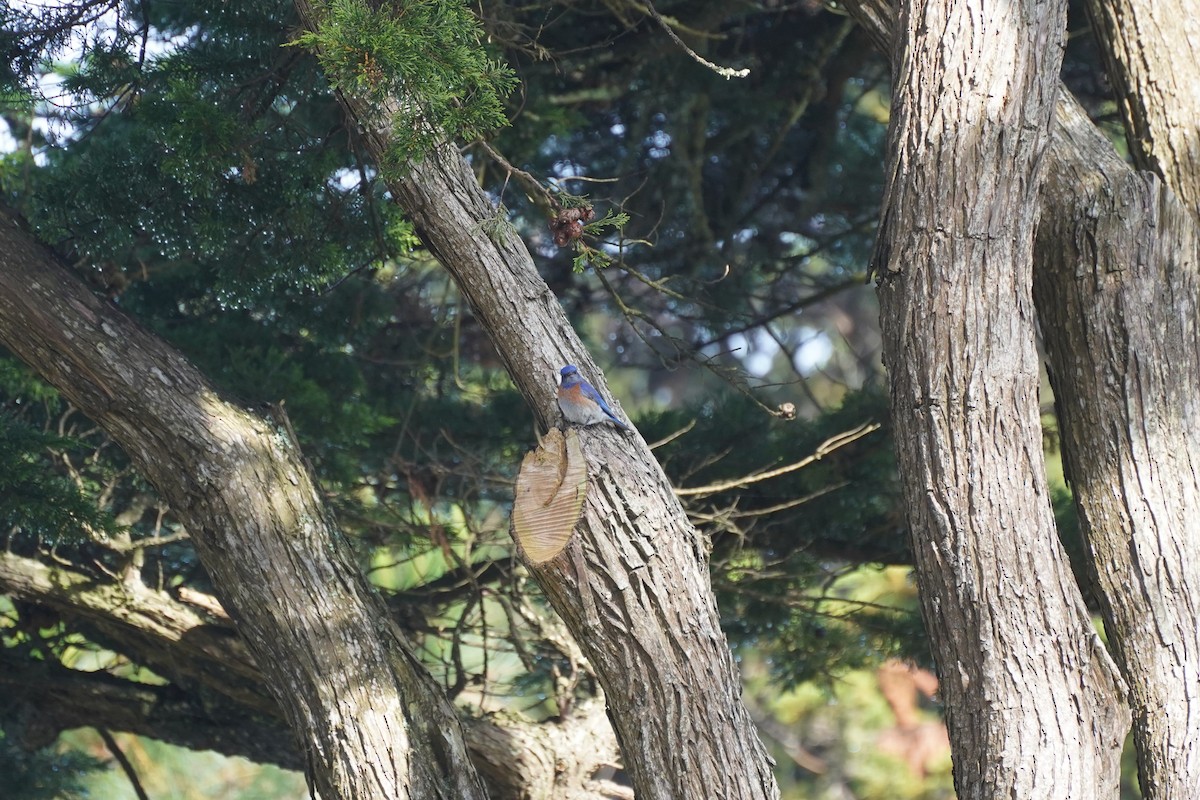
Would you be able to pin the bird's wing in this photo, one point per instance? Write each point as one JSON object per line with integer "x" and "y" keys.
{"x": 590, "y": 392}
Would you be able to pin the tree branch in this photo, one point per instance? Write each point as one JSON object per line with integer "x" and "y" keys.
{"x": 126, "y": 767}
{"x": 226, "y": 708}
{"x": 673, "y": 686}
{"x": 348, "y": 682}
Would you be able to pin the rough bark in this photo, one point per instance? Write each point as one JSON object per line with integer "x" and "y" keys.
{"x": 1032, "y": 698}
{"x": 637, "y": 596}
{"x": 181, "y": 642}
{"x": 218, "y": 701}
{"x": 575, "y": 759}
{"x": 372, "y": 721}
{"x": 570, "y": 759}
{"x": 633, "y": 587}
{"x": 1151, "y": 51}
{"x": 1118, "y": 290}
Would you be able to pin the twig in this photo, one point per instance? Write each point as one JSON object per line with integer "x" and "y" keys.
{"x": 540, "y": 195}
{"x": 725, "y": 72}
{"x": 826, "y": 447}
{"x": 126, "y": 766}
{"x": 673, "y": 436}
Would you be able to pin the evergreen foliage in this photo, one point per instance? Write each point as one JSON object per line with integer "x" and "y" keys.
{"x": 43, "y": 774}
{"x": 36, "y": 502}
{"x": 427, "y": 52}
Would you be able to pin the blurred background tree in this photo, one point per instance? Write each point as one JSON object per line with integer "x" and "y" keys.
{"x": 199, "y": 173}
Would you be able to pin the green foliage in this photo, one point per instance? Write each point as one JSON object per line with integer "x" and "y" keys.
{"x": 597, "y": 258}
{"x": 35, "y": 501}
{"x": 218, "y": 160}
{"x": 774, "y": 567}
{"x": 422, "y": 61}
{"x": 44, "y": 774}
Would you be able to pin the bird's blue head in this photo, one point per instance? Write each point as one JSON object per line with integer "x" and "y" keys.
{"x": 566, "y": 372}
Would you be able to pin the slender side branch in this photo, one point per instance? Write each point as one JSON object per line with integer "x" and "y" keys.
{"x": 830, "y": 445}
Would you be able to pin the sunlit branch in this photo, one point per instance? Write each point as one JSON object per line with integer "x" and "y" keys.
{"x": 828, "y": 446}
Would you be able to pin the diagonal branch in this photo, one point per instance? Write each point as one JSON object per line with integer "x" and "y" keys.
{"x": 634, "y": 587}
{"x": 347, "y": 681}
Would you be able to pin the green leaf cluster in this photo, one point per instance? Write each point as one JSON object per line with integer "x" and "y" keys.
{"x": 422, "y": 60}
{"x": 35, "y": 501}
{"x": 43, "y": 774}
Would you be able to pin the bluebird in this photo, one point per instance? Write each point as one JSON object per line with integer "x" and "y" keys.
{"x": 581, "y": 403}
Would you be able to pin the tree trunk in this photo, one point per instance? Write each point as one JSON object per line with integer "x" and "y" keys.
{"x": 372, "y": 721}
{"x": 1031, "y": 695}
{"x": 1118, "y": 289}
{"x": 636, "y": 593}
{"x": 633, "y": 587}
{"x": 1151, "y": 51}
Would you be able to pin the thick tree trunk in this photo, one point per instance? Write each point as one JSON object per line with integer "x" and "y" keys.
{"x": 1116, "y": 289}
{"x": 1032, "y": 698}
{"x": 1118, "y": 293}
{"x": 1151, "y": 50}
{"x": 372, "y": 721}
{"x": 637, "y": 596}
{"x": 633, "y": 587}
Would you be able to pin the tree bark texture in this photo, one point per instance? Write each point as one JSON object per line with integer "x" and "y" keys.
{"x": 217, "y": 699}
{"x": 1151, "y": 51}
{"x": 633, "y": 586}
{"x": 46, "y": 698}
{"x": 182, "y": 643}
{"x": 1031, "y": 695}
{"x": 372, "y": 721}
{"x": 1118, "y": 289}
